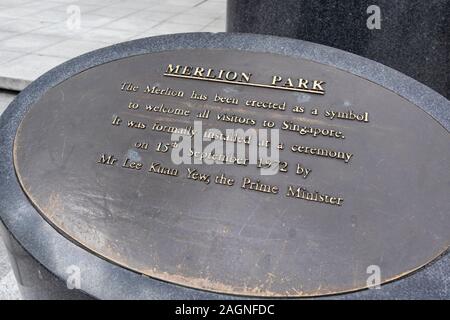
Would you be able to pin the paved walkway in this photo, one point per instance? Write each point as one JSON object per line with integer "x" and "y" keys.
{"x": 37, "y": 35}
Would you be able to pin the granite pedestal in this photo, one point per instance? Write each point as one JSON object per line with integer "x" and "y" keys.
{"x": 50, "y": 255}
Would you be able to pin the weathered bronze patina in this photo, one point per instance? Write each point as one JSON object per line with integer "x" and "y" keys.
{"x": 360, "y": 191}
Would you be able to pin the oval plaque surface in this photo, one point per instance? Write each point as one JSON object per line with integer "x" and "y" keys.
{"x": 359, "y": 187}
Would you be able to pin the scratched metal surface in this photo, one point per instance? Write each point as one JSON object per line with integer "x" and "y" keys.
{"x": 228, "y": 240}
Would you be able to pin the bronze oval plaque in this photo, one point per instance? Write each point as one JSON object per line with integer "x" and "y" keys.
{"x": 359, "y": 189}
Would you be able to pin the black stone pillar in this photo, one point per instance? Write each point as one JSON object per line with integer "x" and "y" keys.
{"x": 411, "y": 36}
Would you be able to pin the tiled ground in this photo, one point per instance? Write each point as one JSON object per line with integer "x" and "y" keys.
{"x": 36, "y": 35}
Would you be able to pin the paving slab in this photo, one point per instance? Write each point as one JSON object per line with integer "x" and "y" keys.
{"x": 70, "y": 48}
{"x": 20, "y": 72}
{"x": 5, "y": 99}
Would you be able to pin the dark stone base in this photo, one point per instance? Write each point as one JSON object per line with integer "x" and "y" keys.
{"x": 41, "y": 255}
{"x": 35, "y": 282}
